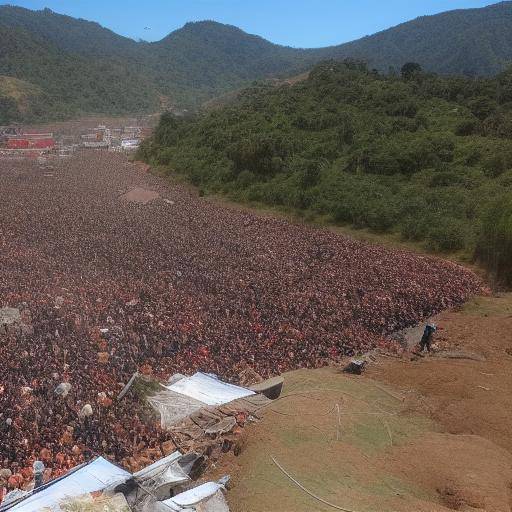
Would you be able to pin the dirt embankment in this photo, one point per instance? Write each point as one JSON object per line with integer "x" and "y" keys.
{"x": 429, "y": 434}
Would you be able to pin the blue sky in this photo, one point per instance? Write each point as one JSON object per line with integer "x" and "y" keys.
{"x": 303, "y": 23}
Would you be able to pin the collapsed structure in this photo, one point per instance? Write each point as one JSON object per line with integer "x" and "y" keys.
{"x": 99, "y": 485}
{"x": 201, "y": 411}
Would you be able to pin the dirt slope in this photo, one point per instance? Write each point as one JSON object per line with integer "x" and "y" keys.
{"x": 411, "y": 435}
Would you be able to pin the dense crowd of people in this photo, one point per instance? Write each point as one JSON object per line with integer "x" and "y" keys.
{"x": 179, "y": 284}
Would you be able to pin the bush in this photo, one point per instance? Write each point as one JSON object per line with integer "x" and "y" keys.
{"x": 447, "y": 235}
{"x": 467, "y": 127}
{"x": 421, "y": 156}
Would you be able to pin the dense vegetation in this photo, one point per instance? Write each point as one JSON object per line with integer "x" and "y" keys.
{"x": 81, "y": 67}
{"x": 466, "y": 41}
{"x": 425, "y": 156}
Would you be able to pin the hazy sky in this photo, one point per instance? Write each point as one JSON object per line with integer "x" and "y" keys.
{"x": 304, "y": 23}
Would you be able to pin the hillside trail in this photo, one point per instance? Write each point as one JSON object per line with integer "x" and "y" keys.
{"x": 412, "y": 434}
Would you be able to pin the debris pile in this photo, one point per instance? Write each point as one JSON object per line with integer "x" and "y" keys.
{"x": 15, "y": 321}
{"x": 102, "y": 486}
{"x": 116, "y": 287}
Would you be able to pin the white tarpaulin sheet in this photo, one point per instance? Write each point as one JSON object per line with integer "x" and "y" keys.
{"x": 162, "y": 476}
{"x": 188, "y": 500}
{"x": 209, "y": 389}
{"x": 95, "y": 476}
{"x": 173, "y": 407}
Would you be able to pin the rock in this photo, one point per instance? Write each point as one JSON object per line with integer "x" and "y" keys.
{"x": 10, "y": 321}
{"x": 168, "y": 447}
{"x": 249, "y": 376}
{"x": 5, "y": 474}
{"x": 15, "y": 321}
{"x": 103, "y": 357}
{"x": 103, "y": 400}
{"x": 45, "y": 454}
{"x": 355, "y": 367}
{"x": 63, "y": 389}
{"x": 86, "y": 411}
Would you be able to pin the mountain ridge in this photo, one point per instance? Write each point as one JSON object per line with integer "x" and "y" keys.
{"x": 86, "y": 68}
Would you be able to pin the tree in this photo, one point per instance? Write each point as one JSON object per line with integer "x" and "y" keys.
{"x": 494, "y": 247}
{"x": 411, "y": 70}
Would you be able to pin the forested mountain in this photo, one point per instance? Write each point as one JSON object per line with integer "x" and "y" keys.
{"x": 205, "y": 59}
{"x": 467, "y": 41}
{"x": 420, "y": 155}
{"x": 80, "y": 67}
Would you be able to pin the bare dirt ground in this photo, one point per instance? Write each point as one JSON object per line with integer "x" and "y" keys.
{"x": 140, "y": 195}
{"x": 465, "y": 396}
{"x": 431, "y": 434}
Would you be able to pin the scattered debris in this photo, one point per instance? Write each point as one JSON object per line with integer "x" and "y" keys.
{"x": 271, "y": 388}
{"x": 129, "y": 384}
{"x": 192, "y": 499}
{"x": 102, "y": 486}
{"x": 63, "y": 389}
{"x": 95, "y": 476}
{"x": 85, "y": 412}
{"x": 355, "y": 367}
{"x": 15, "y": 321}
{"x": 10, "y": 320}
{"x": 188, "y": 395}
{"x": 221, "y": 427}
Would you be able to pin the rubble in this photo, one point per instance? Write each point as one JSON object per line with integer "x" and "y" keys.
{"x": 209, "y": 289}
{"x": 103, "y": 487}
{"x": 355, "y": 367}
{"x": 10, "y": 320}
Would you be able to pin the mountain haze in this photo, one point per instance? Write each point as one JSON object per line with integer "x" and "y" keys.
{"x": 78, "y": 66}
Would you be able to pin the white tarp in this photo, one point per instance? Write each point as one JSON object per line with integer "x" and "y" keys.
{"x": 162, "y": 476}
{"x": 96, "y": 476}
{"x": 208, "y": 389}
{"x": 188, "y": 500}
{"x": 173, "y": 407}
{"x": 217, "y": 503}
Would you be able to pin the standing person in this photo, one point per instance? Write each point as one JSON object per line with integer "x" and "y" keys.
{"x": 426, "y": 339}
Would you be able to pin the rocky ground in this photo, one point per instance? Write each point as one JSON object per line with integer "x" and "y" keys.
{"x": 181, "y": 284}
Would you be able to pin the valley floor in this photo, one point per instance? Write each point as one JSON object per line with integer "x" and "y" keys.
{"x": 182, "y": 285}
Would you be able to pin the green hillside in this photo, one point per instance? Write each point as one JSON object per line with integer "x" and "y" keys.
{"x": 82, "y": 67}
{"x": 72, "y": 83}
{"x": 205, "y": 59}
{"x": 420, "y": 155}
{"x": 467, "y": 41}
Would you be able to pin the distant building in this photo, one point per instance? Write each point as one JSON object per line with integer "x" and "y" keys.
{"x": 130, "y": 143}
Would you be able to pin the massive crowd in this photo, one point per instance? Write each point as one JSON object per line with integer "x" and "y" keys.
{"x": 176, "y": 285}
